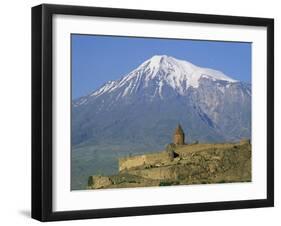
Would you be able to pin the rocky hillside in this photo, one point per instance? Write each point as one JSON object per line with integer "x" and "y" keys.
{"x": 188, "y": 164}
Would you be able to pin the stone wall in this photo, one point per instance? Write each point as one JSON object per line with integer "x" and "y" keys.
{"x": 128, "y": 163}
{"x": 161, "y": 173}
{"x": 191, "y": 164}
{"x": 99, "y": 182}
{"x": 245, "y": 141}
{"x": 230, "y": 163}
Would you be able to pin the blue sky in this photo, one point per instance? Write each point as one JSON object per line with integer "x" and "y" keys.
{"x": 97, "y": 59}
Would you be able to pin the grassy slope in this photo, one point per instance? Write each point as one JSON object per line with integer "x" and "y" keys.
{"x": 90, "y": 159}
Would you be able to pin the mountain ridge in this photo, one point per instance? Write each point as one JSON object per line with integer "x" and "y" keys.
{"x": 139, "y": 115}
{"x": 178, "y": 74}
{"x": 162, "y": 81}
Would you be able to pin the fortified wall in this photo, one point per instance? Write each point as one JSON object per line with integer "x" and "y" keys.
{"x": 191, "y": 164}
{"x": 128, "y": 163}
{"x": 182, "y": 163}
{"x": 154, "y": 159}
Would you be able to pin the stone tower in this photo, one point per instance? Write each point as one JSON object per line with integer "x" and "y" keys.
{"x": 179, "y": 136}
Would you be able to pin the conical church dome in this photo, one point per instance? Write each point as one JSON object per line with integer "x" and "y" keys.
{"x": 179, "y": 136}
{"x": 179, "y": 130}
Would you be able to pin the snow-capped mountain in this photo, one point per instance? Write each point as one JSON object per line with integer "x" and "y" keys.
{"x": 144, "y": 106}
{"x": 159, "y": 71}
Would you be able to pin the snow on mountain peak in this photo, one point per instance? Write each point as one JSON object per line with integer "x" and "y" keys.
{"x": 177, "y": 73}
{"x": 163, "y": 70}
{"x": 107, "y": 86}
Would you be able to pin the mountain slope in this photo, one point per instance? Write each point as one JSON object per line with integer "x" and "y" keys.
{"x": 138, "y": 113}
{"x": 152, "y": 99}
{"x": 156, "y": 73}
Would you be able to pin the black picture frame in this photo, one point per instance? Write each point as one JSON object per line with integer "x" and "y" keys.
{"x": 42, "y": 106}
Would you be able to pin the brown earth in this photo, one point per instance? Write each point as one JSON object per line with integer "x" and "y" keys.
{"x": 190, "y": 164}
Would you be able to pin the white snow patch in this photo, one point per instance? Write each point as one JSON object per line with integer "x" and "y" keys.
{"x": 80, "y": 102}
{"x": 221, "y": 88}
{"x": 163, "y": 70}
{"x": 105, "y": 88}
{"x": 160, "y": 88}
{"x": 127, "y": 90}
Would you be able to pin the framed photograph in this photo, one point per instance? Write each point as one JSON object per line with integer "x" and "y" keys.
{"x": 145, "y": 112}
